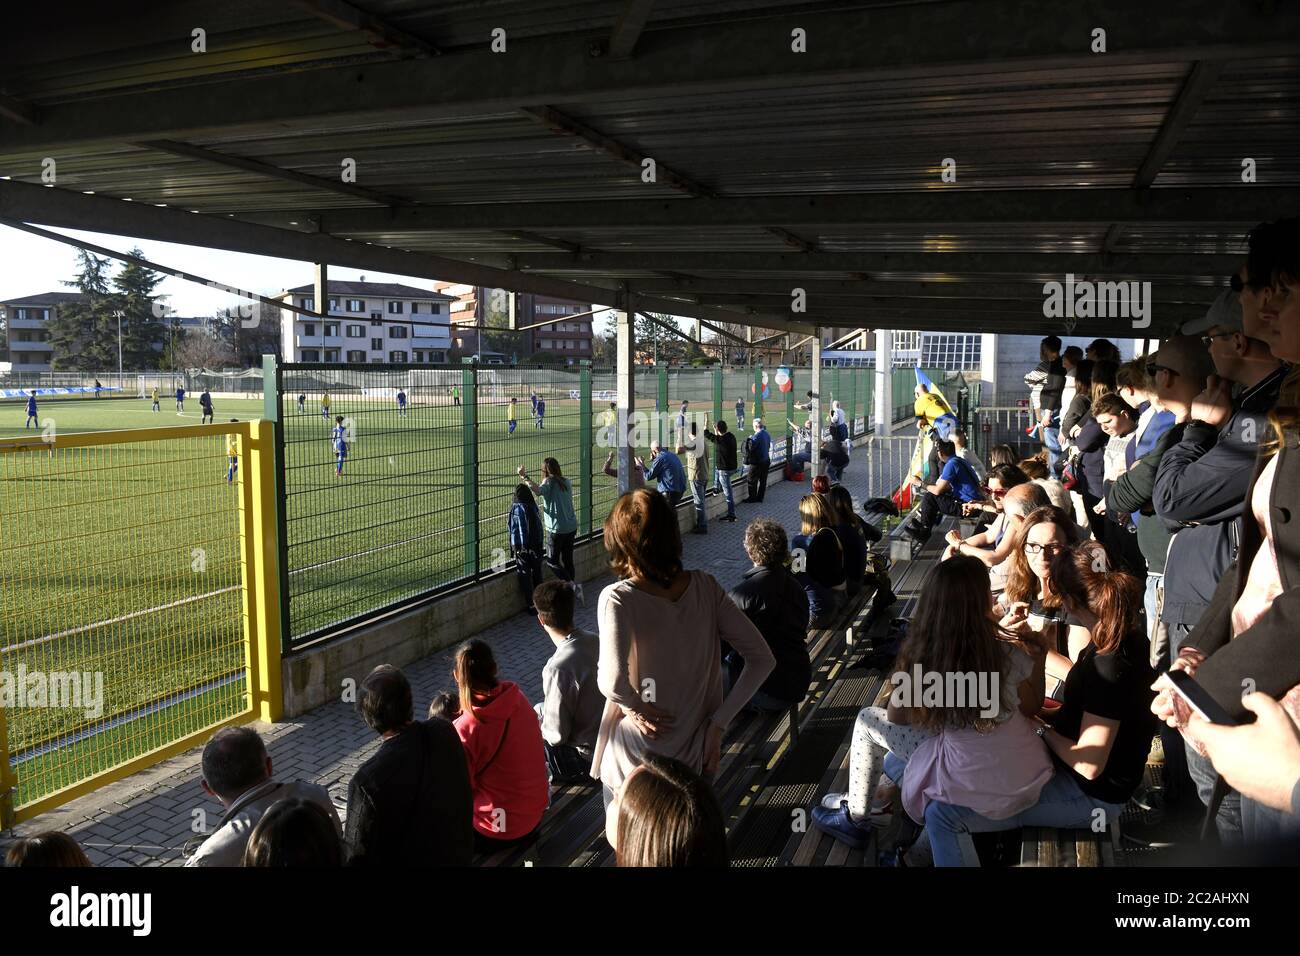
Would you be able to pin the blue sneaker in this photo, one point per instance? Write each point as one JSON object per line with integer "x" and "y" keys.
{"x": 838, "y": 824}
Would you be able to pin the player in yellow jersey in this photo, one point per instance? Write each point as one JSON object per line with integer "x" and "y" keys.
{"x": 232, "y": 455}
{"x": 510, "y": 417}
{"x": 154, "y": 395}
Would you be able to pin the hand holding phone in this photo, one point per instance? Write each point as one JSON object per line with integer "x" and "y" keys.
{"x": 1198, "y": 698}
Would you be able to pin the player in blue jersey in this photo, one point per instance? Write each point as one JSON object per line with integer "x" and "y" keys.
{"x": 205, "y": 406}
{"x": 180, "y": 400}
{"x": 340, "y": 441}
{"x": 401, "y": 403}
{"x": 32, "y": 420}
{"x": 540, "y": 412}
{"x": 532, "y": 400}
{"x": 302, "y": 403}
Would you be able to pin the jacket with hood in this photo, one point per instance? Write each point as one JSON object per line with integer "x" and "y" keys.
{"x": 507, "y": 763}
{"x": 525, "y": 523}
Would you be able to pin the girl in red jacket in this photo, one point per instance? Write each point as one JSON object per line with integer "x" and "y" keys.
{"x": 503, "y": 745}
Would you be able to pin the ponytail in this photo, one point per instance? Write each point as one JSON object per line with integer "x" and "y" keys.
{"x": 474, "y": 670}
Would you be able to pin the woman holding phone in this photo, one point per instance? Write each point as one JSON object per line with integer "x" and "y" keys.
{"x": 1101, "y": 736}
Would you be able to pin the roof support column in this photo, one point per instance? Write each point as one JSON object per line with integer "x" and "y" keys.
{"x": 625, "y": 382}
{"x": 884, "y": 417}
{"x": 815, "y": 406}
{"x": 321, "y": 303}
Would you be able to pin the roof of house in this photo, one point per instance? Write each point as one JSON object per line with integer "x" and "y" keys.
{"x": 47, "y": 298}
{"x": 385, "y": 290}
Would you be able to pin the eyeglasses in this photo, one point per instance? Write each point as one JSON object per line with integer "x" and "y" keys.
{"x": 994, "y": 492}
{"x": 1047, "y": 549}
{"x": 1208, "y": 340}
{"x": 1153, "y": 368}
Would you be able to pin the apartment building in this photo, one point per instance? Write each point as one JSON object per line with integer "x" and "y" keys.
{"x": 377, "y": 323}
{"x": 26, "y": 322}
{"x": 570, "y": 341}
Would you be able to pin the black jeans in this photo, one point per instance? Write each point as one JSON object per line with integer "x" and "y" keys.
{"x": 931, "y": 506}
{"x": 567, "y": 765}
{"x": 758, "y": 479}
{"x": 561, "y": 557}
{"x": 528, "y": 574}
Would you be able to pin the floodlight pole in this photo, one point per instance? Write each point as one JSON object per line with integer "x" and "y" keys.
{"x": 118, "y": 313}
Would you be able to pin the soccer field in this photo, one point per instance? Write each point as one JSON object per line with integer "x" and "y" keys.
{"x": 100, "y": 551}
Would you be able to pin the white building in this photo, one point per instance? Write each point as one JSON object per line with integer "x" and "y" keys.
{"x": 378, "y": 323}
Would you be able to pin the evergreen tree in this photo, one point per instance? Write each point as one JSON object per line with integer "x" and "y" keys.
{"x": 80, "y": 336}
{"x": 140, "y": 327}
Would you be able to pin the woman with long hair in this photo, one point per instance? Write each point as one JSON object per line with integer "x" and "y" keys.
{"x": 848, "y": 528}
{"x": 503, "y": 747}
{"x": 1248, "y": 633}
{"x": 524, "y": 525}
{"x": 660, "y": 666}
{"x": 964, "y": 688}
{"x": 1091, "y": 442}
{"x": 1101, "y": 736}
{"x": 1002, "y": 455}
{"x": 294, "y": 833}
{"x": 558, "y": 517}
{"x": 1030, "y": 593}
{"x": 668, "y": 816}
{"x": 819, "y": 559}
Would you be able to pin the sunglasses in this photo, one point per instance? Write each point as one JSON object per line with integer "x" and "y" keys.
{"x": 992, "y": 493}
{"x": 1208, "y": 340}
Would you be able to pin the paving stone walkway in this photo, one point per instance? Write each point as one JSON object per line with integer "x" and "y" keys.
{"x": 146, "y": 819}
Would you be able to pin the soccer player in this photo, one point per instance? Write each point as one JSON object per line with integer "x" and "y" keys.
{"x": 681, "y": 424}
{"x": 608, "y": 419}
{"x": 325, "y": 406}
{"x": 510, "y": 416}
{"x": 232, "y": 456}
{"x": 401, "y": 403}
{"x": 340, "y": 446}
{"x": 455, "y": 395}
{"x": 154, "y": 395}
{"x": 740, "y": 414}
{"x": 532, "y": 398}
{"x": 205, "y": 405}
{"x": 541, "y": 410}
{"x": 32, "y": 420}
{"x": 97, "y": 388}
{"x": 302, "y": 403}
{"x": 180, "y": 399}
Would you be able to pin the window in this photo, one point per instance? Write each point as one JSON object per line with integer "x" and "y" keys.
{"x": 20, "y": 313}
{"x": 310, "y": 355}
{"x": 375, "y": 320}
{"x": 415, "y": 308}
{"x": 397, "y": 356}
{"x": 395, "y": 308}
{"x": 356, "y": 305}
{"x": 334, "y": 304}
{"x": 376, "y": 345}
{"x": 331, "y": 355}
{"x": 331, "y": 328}
{"x": 357, "y": 358}
{"x": 309, "y": 328}
{"x": 307, "y": 304}
{"x": 356, "y": 331}
{"x": 397, "y": 332}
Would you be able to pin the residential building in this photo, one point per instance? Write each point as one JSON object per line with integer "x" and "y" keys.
{"x": 570, "y": 341}
{"x": 377, "y": 323}
{"x": 26, "y": 321}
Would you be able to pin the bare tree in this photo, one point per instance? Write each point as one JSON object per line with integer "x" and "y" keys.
{"x": 198, "y": 350}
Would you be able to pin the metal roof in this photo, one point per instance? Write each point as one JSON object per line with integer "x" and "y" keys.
{"x": 819, "y": 170}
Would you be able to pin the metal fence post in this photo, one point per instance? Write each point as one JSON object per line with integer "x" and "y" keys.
{"x": 758, "y": 392}
{"x": 273, "y": 411}
{"x": 469, "y": 443}
{"x": 661, "y": 404}
{"x": 584, "y": 439}
{"x": 717, "y": 393}
{"x": 260, "y": 553}
{"x": 8, "y": 780}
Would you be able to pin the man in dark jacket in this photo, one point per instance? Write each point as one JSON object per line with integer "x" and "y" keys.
{"x": 725, "y": 468}
{"x": 835, "y": 456}
{"x": 776, "y": 603}
{"x": 409, "y": 805}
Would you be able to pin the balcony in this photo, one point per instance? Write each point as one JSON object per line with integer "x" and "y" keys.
{"x": 16, "y": 345}
{"x": 320, "y": 341}
{"x": 27, "y": 323}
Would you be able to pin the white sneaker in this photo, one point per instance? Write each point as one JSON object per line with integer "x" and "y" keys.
{"x": 880, "y": 814}
{"x": 832, "y": 801}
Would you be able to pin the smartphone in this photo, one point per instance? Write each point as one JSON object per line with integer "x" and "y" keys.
{"x": 1199, "y": 699}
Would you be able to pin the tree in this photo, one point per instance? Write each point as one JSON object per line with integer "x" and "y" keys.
{"x": 199, "y": 350}
{"x": 83, "y": 335}
{"x": 135, "y": 299}
{"x": 248, "y": 330}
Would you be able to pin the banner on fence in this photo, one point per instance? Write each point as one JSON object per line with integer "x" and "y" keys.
{"x": 50, "y": 390}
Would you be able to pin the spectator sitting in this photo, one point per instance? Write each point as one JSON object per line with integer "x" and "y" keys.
{"x": 237, "y": 773}
{"x": 955, "y": 486}
{"x": 776, "y": 604}
{"x": 295, "y": 833}
{"x": 1002, "y": 455}
{"x": 661, "y": 629}
{"x": 504, "y": 750}
{"x": 47, "y": 850}
{"x": 992, "y": 545}
{"x": 1043, "y": 533}
{"x": 842, "y": 502}
{"x": 803, "y": 456}
{"x": 410, "y": 803}
{"x": 968, "y": 456}
{"x": 947, "y": 748}
{"x": 667, "y": 469}
{"x": 1101, "y": 736}
{"x": 818, "y": 560}
{"x": 668, "y": 816}
{"x": 571, "y": 701}
{"x": 1057, "y": 496}
{"x": 1033, "y": 468}
{"x": 445, "y": 705}
{"x": 853, "y": 541}
{"x": 821, "y": 485}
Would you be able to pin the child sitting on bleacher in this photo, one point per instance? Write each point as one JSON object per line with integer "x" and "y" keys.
{"x": 818, "y": 560}
{"x": 668, "y": 816}
{"x": 983, "y": 749}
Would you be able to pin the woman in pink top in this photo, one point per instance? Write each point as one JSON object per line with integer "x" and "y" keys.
{"x": 967, "y": 742}
{"x": 661, "y": 634}
{"x": 503, "y": 746}
{"x": 1251, "y": 630}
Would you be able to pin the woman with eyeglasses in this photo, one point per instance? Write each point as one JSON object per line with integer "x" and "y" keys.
{"x": 1100, "y": 738}
{"x": 1031, "y": 598}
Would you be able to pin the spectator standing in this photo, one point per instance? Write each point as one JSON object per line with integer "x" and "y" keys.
{"x": 697, "y": 474}
{"x": 1047, "y": 383}
{"x": 524, "y": 525}
{"x": 667, "y": 469}
{"x": 661, "y": 629}
{"x": 558, "y": 517}
{"x": 410, "y": 803}
{"x": 758, "y": 460}
{"x": 637, "y": 478}
{"x": 725, "y": 462}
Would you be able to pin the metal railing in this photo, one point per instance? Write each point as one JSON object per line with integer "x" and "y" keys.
{"x": 134, "y": 583}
